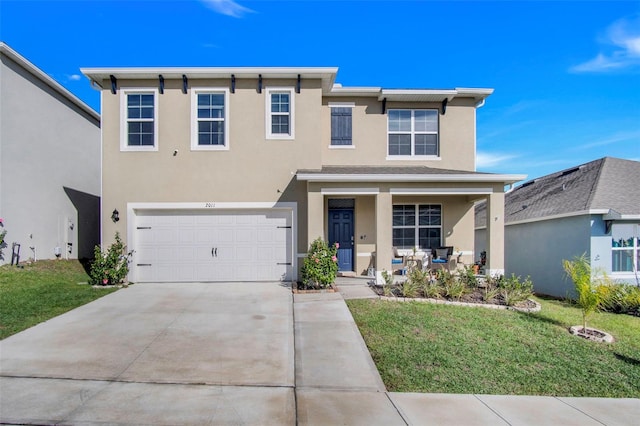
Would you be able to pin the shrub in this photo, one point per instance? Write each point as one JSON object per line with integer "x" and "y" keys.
{"x": 409, "y": 288}
{"x": 469, "y": 277}
{"x": 490, "y": 290}
{"x": 620, "y": 298}
{"x": 320, "y": 267}
{"x": 418, "y": 276}
{"x": 112, "y": 266}
{"x": 513, "y": 290}
{"x": 452, "y": 286}
{"x": 387, "y": 288}
{"x": 432, "y": 289}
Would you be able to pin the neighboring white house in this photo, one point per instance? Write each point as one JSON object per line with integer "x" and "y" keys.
{"x": 593, "y": 208}
{"x": 49, "y": 165}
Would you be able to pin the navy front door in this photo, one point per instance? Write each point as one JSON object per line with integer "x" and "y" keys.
{"x": 341, "y": 232}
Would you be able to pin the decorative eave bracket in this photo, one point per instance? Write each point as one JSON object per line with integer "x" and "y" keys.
{"x": 114, "y": 84}
{"x": 185, "y": 84}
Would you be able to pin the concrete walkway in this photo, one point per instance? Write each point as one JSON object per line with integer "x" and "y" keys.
{"x": 241, "y": 353}
{"x": 354, "y": 401}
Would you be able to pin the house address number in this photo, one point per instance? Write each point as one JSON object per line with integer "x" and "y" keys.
{"x": 209, "y": 205}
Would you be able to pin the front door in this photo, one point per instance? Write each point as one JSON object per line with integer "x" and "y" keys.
{"x": 341, "y": 232}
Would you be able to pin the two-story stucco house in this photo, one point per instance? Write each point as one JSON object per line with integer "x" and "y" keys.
{"x": 49, "y": 165}
{"x": 222, "y": 174}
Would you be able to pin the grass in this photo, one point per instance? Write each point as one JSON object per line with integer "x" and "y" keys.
{"x": 421, "y": 347}
{"x": 41, "y": 291}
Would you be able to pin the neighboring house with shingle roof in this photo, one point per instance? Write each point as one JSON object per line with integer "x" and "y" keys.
{"x": 593, "y": 208}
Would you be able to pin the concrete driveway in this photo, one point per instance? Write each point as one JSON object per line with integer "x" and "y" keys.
{"x": 157, "y": 354}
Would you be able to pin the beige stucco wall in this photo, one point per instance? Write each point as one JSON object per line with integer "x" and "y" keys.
{"x": 456, "y": 128}
{"x": 254, "y": 169}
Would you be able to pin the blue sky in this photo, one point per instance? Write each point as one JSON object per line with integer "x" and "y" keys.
{"x": 566, "y": 74}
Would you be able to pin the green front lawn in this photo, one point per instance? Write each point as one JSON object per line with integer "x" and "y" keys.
{"x": 41, "y": 291}
{"x": 421, "y": 347}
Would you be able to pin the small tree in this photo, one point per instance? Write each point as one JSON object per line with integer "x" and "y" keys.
{"x": 586, "y": 285}
{"x": 320, "y": 267}
{"x": 112, "y": 266}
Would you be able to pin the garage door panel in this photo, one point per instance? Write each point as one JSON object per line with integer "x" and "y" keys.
{"x": 247, "y": 245}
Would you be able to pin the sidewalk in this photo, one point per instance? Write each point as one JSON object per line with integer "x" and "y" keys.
{"x": 337, "y": 382}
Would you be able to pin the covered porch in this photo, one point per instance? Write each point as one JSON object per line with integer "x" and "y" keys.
{"x": 371, "y": 210}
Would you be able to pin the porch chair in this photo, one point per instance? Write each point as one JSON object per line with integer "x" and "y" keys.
{"x": 442, "y": 258}
{"x": 399, "y": 261}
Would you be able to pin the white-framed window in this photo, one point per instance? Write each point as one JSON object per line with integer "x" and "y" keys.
{"x": 209, "y": 119}
{"x": 139, "y": 120}
{"x": 625, "y": 247}
{"x": 417, "y": 225}
{"x": 413, "y": 133}
{"x": 280, "y": 113}
{"x": 341, "y": 124}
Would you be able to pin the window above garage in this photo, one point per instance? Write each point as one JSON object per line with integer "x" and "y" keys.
{"x": 209, "y": 119}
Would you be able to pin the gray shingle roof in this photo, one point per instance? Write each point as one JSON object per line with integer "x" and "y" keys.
{"x": 607, "y": 183}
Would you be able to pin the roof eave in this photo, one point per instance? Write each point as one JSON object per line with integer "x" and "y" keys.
{"x": 42, "y": 76}
{"x": 380, "y": 177}
{"x": 326, "y": 74}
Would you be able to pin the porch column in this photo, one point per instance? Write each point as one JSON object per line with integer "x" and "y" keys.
{"x": 315, "y": 216}
{"x": 495, "y": 234}
{"x": 384, "y": 240}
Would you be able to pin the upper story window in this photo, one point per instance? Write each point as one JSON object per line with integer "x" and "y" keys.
{"x": 413, "y": 133}
{"x": 417, "y": 225}
{"x": 210, "y": 122}
{"x": 139, "y": 123}
{"x": 280, "y": 113}
{"x": 625, "y": 247}
{"x": 341, "y": 125}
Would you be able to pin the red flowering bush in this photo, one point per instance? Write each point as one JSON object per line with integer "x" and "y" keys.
{"x": 320, "y": 267}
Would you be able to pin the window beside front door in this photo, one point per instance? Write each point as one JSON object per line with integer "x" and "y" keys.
{"x": 417, "y": 225}
{"x": 625, "y": 247}
{"x": 413, "y": 133}
{"x": 210, "y": 122}
{"x": 280, "y": 113}
{"x": 139, "y": 120}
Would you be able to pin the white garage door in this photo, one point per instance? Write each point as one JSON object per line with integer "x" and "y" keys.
{"x": 229, "y": 245}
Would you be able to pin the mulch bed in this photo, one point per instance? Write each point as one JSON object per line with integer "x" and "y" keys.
{"x": 475, "y": 297}
{"x": 299, "y": 288}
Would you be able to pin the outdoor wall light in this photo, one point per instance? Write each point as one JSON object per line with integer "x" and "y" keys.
{"x": 115, "y": 216}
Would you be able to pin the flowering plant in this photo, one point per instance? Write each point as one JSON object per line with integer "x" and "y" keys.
{"x": 320, "y": 267}
{"x": 3, "y": 233}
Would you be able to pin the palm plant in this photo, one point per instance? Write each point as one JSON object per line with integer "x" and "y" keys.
{"x": 588, "y": 299}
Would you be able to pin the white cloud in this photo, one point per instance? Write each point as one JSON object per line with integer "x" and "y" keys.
{"x": 74, "y": 77}
{"x": 622, "y": 51}
{"x": 612, "y": 139}
{"x": 227, "y": 7}
{"x": 488, "y": 159}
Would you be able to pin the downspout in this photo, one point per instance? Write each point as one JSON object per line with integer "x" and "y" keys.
{"x": 475, "y": 135}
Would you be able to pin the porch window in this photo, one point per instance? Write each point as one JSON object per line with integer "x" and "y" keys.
{"x": 413, "y": 132}
{"x": 417, "y": 225}
{"x": 625, "y": 247}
